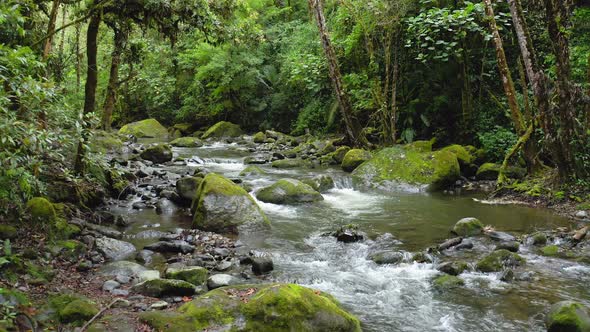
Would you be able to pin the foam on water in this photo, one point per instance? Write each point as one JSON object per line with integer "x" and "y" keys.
{"x": 354, "y": 203}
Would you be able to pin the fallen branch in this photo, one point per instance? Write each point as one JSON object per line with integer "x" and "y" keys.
{"x": 85, "y": 326}
{"x": 521, "y": 141}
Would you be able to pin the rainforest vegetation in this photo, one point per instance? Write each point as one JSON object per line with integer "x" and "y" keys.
{"x": 503, "y": 85}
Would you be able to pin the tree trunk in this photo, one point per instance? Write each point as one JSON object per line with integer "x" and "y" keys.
{"x": 393, "y": 104}
{"x": 90, "y": 88}
{"x": 119, "y": 39}
{"x": 353, "y": 129}
{"x": 50, "y": 29}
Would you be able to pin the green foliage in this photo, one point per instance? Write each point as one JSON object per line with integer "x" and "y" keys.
{"x": 497, "y": 142}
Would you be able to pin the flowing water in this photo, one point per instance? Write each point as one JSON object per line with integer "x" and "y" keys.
{"x": 400, "y": 297}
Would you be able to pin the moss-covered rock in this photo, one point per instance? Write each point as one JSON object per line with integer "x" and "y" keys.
{"x": 354, "y": 158}
{"x": 320, "y": 183}
{"x": 145, "y": 128}
{"x": 104, "y": 141}
{"x": 290, "y": 163}
{"x": 421, "y": 146}
{"x": 289, "y": 191}
{"x": 157, "y": 153}
{"x": 196, "y": 275}
{"x": 468, "y": 227}
{"x": 447, "y": 281}
{"x": 72, "y": 308}
{"x": 259, "y": 137}
{"x": 396, "y": 167}
{"x": 490, "y": 171}
{"x": 498, "y": 260}
{"x": 7, "y": 232}
{"x": 221, "y": 205}
{"x": 568, "y": 316}
{"x": 223, "y": 129}
{"x": 164, "y": 287}
{"x": 187, "y": 142}
{"x": 550, "y": 250}
{"x": 184, "y": 128}
{"x": 463, "y": 156}
{"x": 338, "y": 155}
{"x": 258, "y": 308}
{"x": 41, "y": 210}
{"x": 539, "y": 239}
{"x": 252, "y": 171}
{"x": 187, "y": 187}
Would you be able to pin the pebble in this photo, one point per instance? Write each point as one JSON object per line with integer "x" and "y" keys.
{"x": 223, "y": 266}
{"x": 110, "y": 285}
{"x": 581, "y": 214}
{"x": 160, "y": 305}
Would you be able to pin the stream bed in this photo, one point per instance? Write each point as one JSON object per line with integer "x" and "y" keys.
{"x": 389, "y": 297}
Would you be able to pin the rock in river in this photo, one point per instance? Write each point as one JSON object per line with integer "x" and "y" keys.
{"x": 289, "y": 191}
{"x": 157, "y": 153}
{"x": 223, "y": 129}
{"x": 468, "y": 227}
{"x": 145, "y": 128}
{"x": 498, "y": 260}
{"x": 187, "y": 187}
{"x": 113, "y": 249}
{"x": 196, "y": 275}
{"x": 354, "y": 158}
{"x": 568, "y": 316}
{"x": 171, "y": 246}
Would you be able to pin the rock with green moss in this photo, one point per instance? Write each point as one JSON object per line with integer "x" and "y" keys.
{"x": 196, "y": 275}
{"x": 145, "y": 128}
{"x": 463, "y": 156}
{"x": 41, "y": 210}
{"x": 290, "y": 163}
{"x": 165, "y": 287}
{"x": 223, "y": 206}
{"x": 259, "y": 137}
{"x": 539, "y": 239}
{"x": 490, "y": 171}
{"x": 338, "y": 155}
{"x": 289, "y": 191}
{"x": 104, "y": 141}
{"x": 187, "y": 187}
{"x": 187, "y": 142}
{"x": 397, "y": 168}
{"x": 568, "y": 316}
{"x": 320, "y": 183}
{"x": 550, "y": 250}
{"x": 157, "y": 153}
{"x": 447, "y": 282}
{"x": 453, "y": 268}
{"x": 421, "y": 146}
{"x": 223, "y": 129}
{"x": 184, "y": 128}
{"x": 252, "y": 170}
{"x": 354, "y": 158}
{"x": 7, "y": 232}
{"x": 468, "y": 227}
{"x": 498, "y": 260}
{"x": 261, "y": 308}
{"x": 73, "y": 308}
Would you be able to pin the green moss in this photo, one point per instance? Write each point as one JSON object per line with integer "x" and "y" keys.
{"x": 7, "y": 232}
{"x": 290, "y": 163}
{"x": 539, "y": 239}
{"x": 184, "y": 128}
{"x": 78, "y": 312}
{"x": 448, "y": 281}
{"x": 490, "y": 171}
{"x": 196, "y": 275}
{"x": 498, "y": 260}
{"x": 550, "y": 250}
{"x": 338, "y": 155}
{"x": 187, "y": 187}
{"x": 15, "y": 296}
{"x": 187, "y": 142}
{"x": 223, "y": 129}
{"x": 39, "y": 275}
{"x": 421, "y": 146}
{"x": 164, "y": 287}
{"x": 158, "y": 153}
{"x": 259, "y": 137}
{"x": 568, "y": 316}
{"x": 464, "y": 157}
{"x": 320, "y": 183}
{"x": 252, "y": 170}
{"x": 103, "y": 141}
{"x": 354, "y": 158}
{"x": 468, "y": 227}
{"x": 396, "y": 166}
{"x": 288, "y": 191}
{"x": 41, "y": 210}
{"x": 65, "y": 230}
{"x": 145, "y": 128}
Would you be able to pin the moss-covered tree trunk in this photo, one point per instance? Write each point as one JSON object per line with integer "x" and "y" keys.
{"x": 353, "y": 128}
{"x": 120, "y": 39}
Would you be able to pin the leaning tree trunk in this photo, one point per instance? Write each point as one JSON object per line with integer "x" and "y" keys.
{"x": 90, "y": 88}
{"x": 42, "y": 117}
{"x": 120, "y": 39}
{"x": 353, "y": 129}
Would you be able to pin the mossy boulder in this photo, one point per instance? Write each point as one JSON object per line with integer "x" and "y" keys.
{"x": 568, "y": 316}
{"x": 157, "y": 153}
{"x": 196, "y": 275}
{"x": 354, "y": 158}
{"x": 187, "y": 142}
{"x": 447, "y": 281}
{"x": 41, "y": 210}
{"x": 497, "y": 260}
{"x": 73, "y": 309}
{"x": 289, "y": 191}
{"x": 257, "y": 308}
{"x": 145, "y": 128}
{"x": 223, "y": 206}
{"x": 164, "y": 287}
{"x": 420, "y": 146}
{"x": 463, "y": 156}
{"x": 252, "y": 171}
{"x": 550, "y": 250}
{"x": 290, "y": 163}
{"x": 187, "y": 187}
{"x": 184, "y": 128}
{"x": 320, "y": 183}
{"x": 7, "y": 232}
{"x": 223, "y": 129}
{"x": 394, "y": 168}
{"x": 104, "y": 141}
{"x": 539, "y": 239}
{"x": 490, "y": 171}
{"x": 468, "y": 227}
{"x": 259, "y": 137}
{"x": 338, "y": 155}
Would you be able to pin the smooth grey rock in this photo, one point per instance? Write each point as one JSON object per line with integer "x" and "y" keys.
{"x": 114, "y": 249}
{"x": 261, "y": 265}
{"x": 221, "y": 280}
{"x": 110, "y": 285}
{"x": 171, "y": 246}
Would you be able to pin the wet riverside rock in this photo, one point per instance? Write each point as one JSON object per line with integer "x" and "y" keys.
{"x": 498, "y": 260}
{"x": 387, "y": 257}
{"x": 221, "y": 280}
{"x": 144, "y": 128}
{"x": 157, "y": 153}
{"x": 468, "y": 227}
{"x": 500, "y": 236}
{"x": 354, "y": 158}
{"x": 171, "y": 246}
{"x": 320, "y": 183}
{"x": 257, "y": 159}
{"x": 187, "y": 142}
{"x": 113, "y": 249}
{"x": 452, "y": 268}
{"x": 187, "y": 188}
{"x": 195, "y": 275}
{"x": 538, "y": 239}
{"x": 223, "y": 206}
{"x": 447, "y": 282}
{"x": 450, "y": 243}
{"x": 262, "y": 265}
{"x": 512, "y": 246}
{"x": 348, "y": 234}
{"x": 291, "y": 163}
{"x": 490, "y": 171}
{"x": 164, "y": 287}
{"x": 222, "y": 129}
{"x": 289, "y": 191}
{"x": 568, "y": 316}
{"x": 276, "y": 307}
{"x": 252, "y": 171}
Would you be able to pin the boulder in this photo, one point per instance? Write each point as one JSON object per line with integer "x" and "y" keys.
{"x": 187, "y": 142}
{"x": 41, "y": 210}
{"x": 550, "y": 250}
{"x": 500, "y": 236}
{"x": 490, "y": 171}
{"x": 124, "y": 268}
{"x": 223, "y": 206}
{"x": 354, "y": 158}
{"x": 221, "y": 280}
{"x": 387, "y": 257}
{"x": 452, "y": 268}
{"x": 261, "y": 265}
{"x": 539, "y": 239}
{"x": 450, "y": 243}
{"x": 113, "y": 249}
{"x": 7, "y": 232}
{"x": 196, "y": 275}
{"x": 338, "y": 155}
{"x": 157, "y": 153}
{"x": 348, "y": 234}
{"x": 164, "y": 287}
{"x": 270, "y": 307}
{"x": 288, "y": 191}
{"x": 512, "y": 246}
{"x": 468, "y": 227}
{"x": 257, "y": 159}
{"x": 394, "y": 168}
{"x": 420, "y": 146}
{"x": 78, "y": 311}
{"x": 252, "y": 171}
{"x": 184, "y": 128}
{"x": 498, "y": 260}
{"x": 176, "y": 246}
{"x": 290, "y": 163}
{"x": 145, "y": 128}
{"x": 568, "y": 316}
{"x": 223, "y": 129}
{"x": 259, "y": 137}
{"x": 447, "y": 282}
{"x": 187, "y": 187}
{"x": 320, "y": 183}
